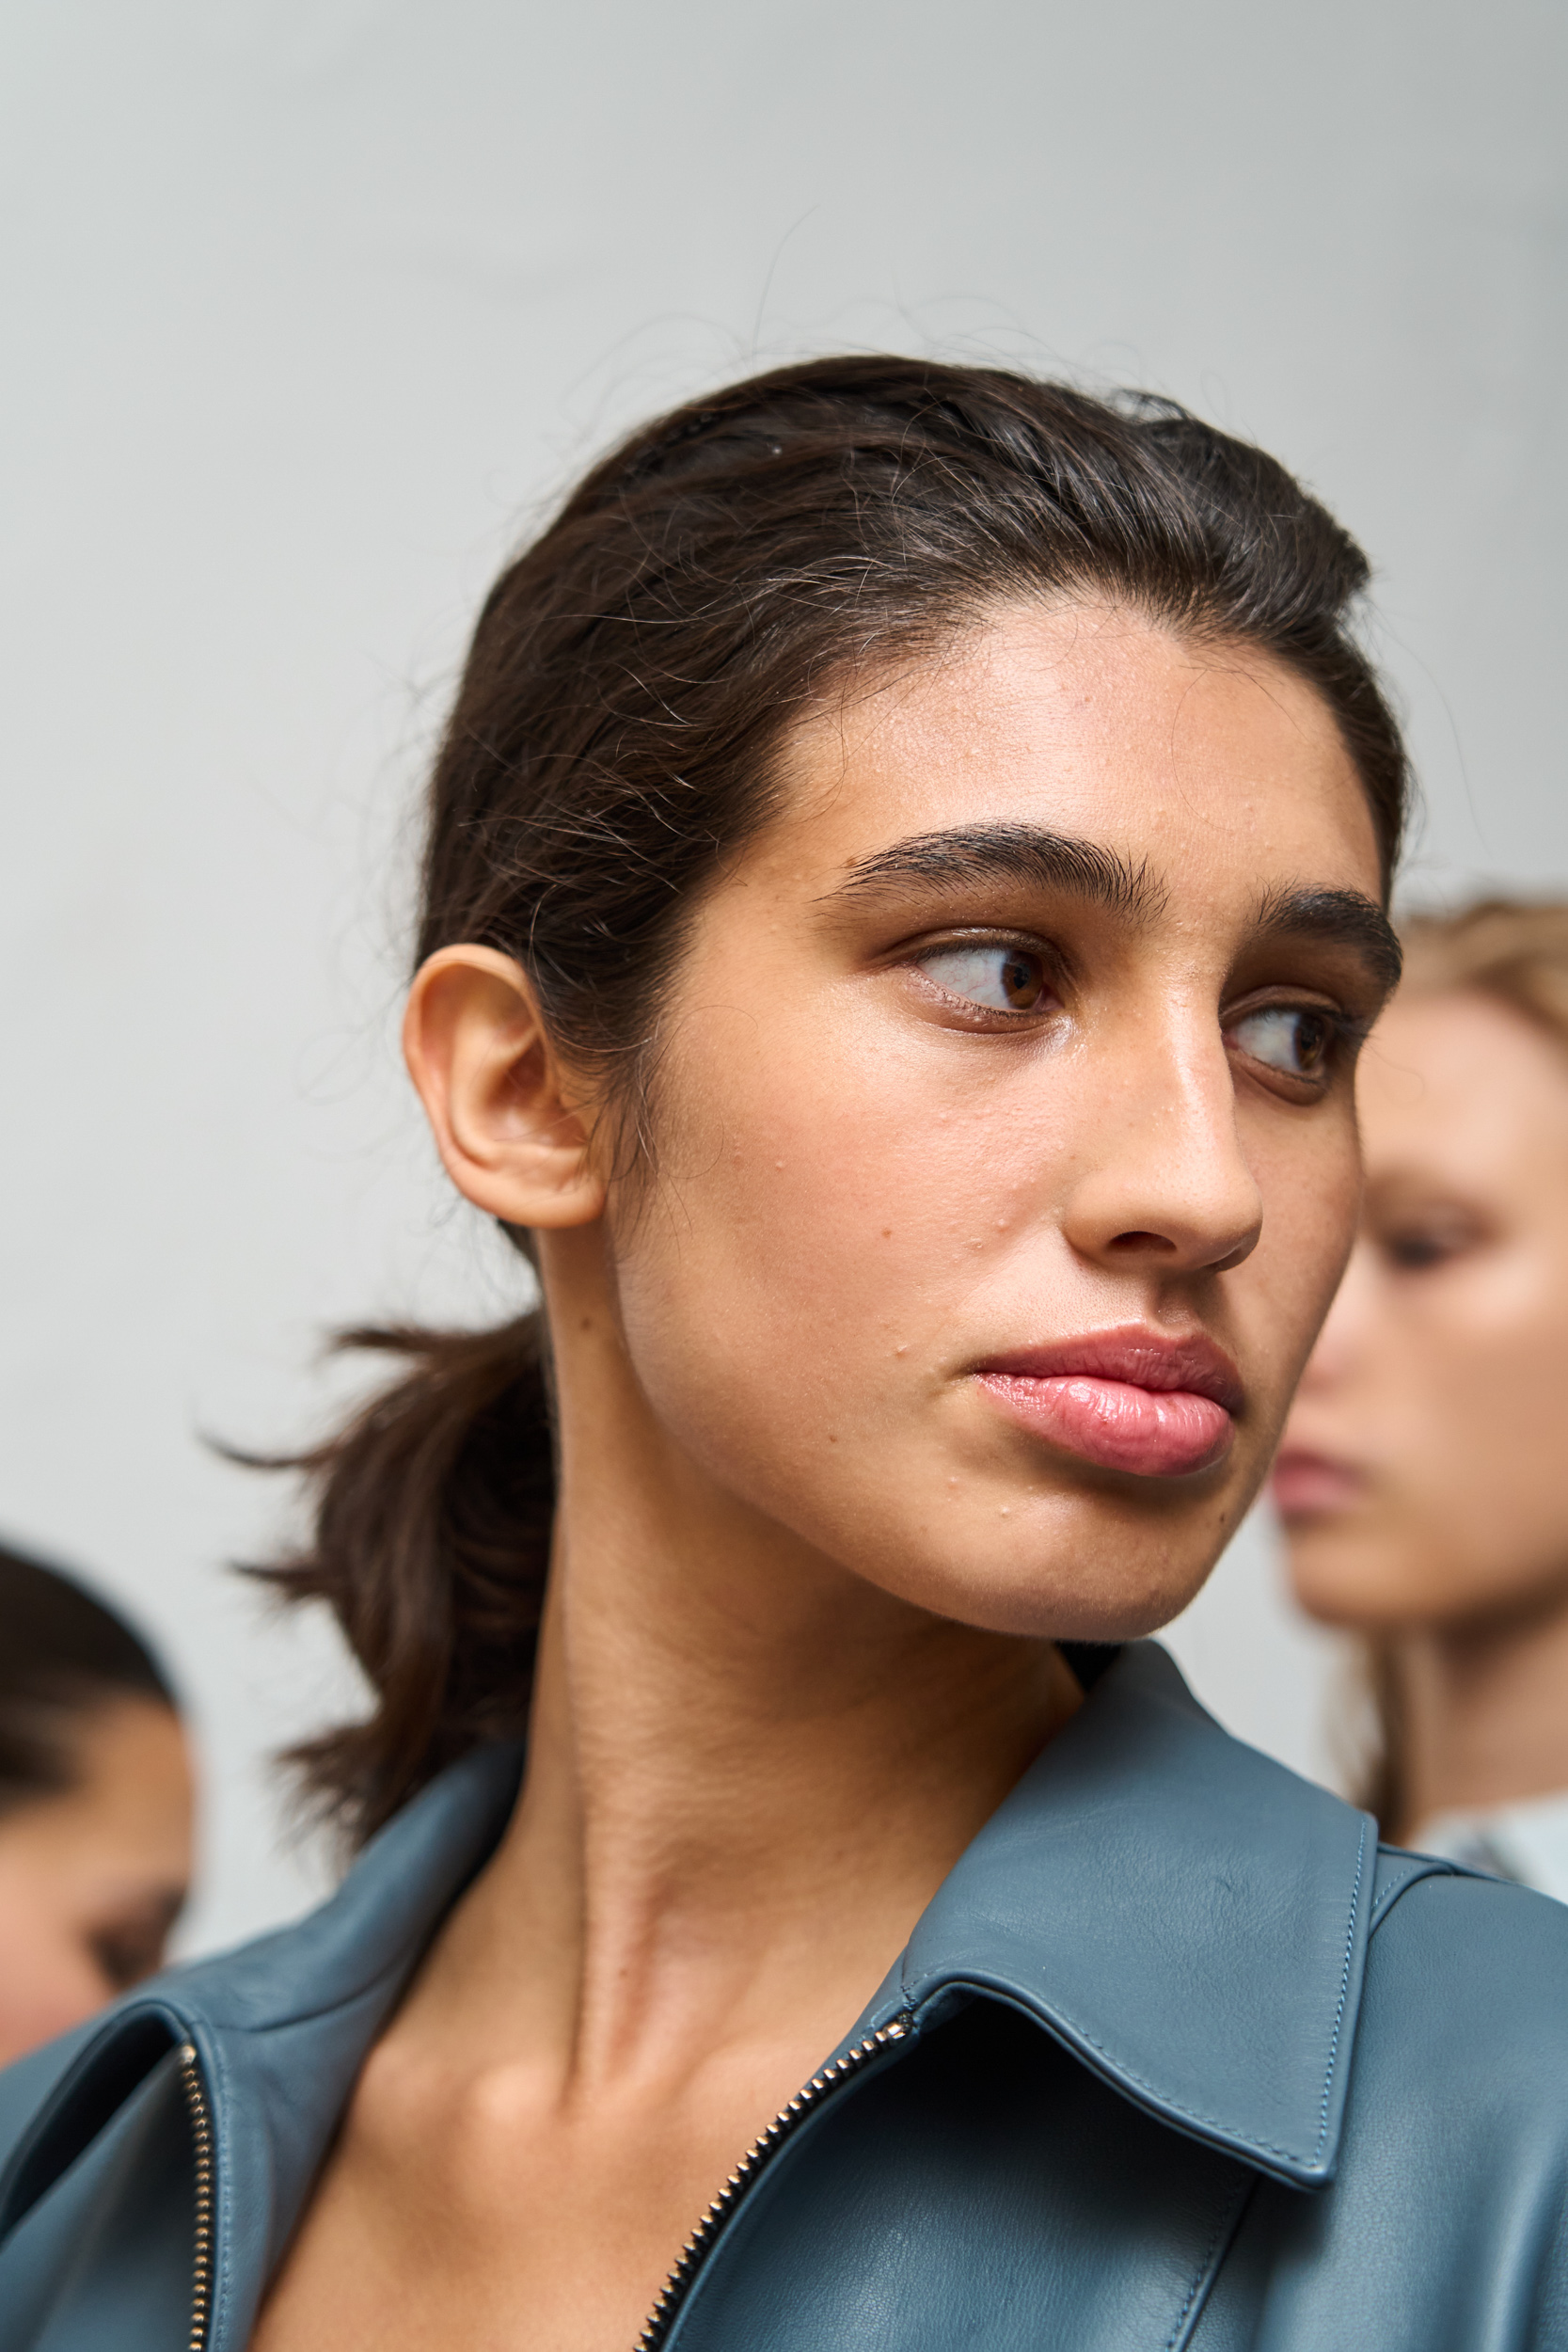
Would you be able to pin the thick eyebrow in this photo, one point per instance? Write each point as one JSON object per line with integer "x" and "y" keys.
{"x": 1341, "y": 919}
{"x": 1016, "y": 853}
{"x": 1090, "y": 870}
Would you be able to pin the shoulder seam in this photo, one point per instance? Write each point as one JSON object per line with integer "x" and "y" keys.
{"x": 1344, "y": 1995}
{"x": 1427, "y": 1866}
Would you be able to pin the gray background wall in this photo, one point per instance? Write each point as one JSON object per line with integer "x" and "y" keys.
{"x": 310, "y": 303}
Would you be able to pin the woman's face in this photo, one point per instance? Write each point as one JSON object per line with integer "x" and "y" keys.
{"x": 1423, "y": 1480}
{"x": 1007, "y": 1157}
{"x": 92, "y": 1878}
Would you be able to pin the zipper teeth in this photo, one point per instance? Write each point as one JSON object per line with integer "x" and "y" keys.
{"x": 662, "y": 2317}
{"x": 201, "y": 2133}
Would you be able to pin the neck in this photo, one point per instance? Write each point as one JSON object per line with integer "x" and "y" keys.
{"x": 749, "y": 1771}
{"x": 1484, "y": 1719}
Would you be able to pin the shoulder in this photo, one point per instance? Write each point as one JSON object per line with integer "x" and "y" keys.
{"x": 1430, "y": 1913}
{"x": 279, "y": 2026}
{"x": 1466, "y": 1985}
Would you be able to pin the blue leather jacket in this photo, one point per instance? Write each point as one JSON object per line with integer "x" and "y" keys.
{"x": 1176, "y": 2057}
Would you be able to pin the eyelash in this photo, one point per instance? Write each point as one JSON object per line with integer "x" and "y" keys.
{"x": 1345, "y": 1036}
{"x": 1343, "y": 1041}
{"x": 975, "y": 947}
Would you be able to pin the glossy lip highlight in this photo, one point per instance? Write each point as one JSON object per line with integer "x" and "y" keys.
{"x": 1133, "y": 1399}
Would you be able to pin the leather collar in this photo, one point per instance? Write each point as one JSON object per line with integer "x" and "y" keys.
{"x": 1184, "y": 1913}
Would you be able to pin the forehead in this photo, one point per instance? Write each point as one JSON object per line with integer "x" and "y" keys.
{"x": 1462, "y": 1086}
{"x": 1212, "y": 763}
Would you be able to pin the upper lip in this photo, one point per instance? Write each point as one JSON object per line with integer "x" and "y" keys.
{"x": 1142, "y": 1358}
{"x": 1319, "y": 1456}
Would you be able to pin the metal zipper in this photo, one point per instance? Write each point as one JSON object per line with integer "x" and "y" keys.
{"x": 700, "y": 2244}
{"x": 201, "y": 2134}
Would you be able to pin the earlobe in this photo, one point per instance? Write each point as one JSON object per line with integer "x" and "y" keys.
{"x": 511, "y": 1135}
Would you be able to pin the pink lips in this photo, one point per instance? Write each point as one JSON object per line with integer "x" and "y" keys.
{"x": 1306, "y": 1485}
{"x": 1129, "y": 1400}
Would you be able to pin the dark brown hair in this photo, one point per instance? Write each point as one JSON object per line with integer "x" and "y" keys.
{"x": 63, "y": 1654}
{"x": 613, "y": 736}
{"x": 1515, "y": 951}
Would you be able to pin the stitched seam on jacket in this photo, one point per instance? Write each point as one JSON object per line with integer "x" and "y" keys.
{"x": 70, "y": 2085}
{"x": 1219, "y": 2237}
{"x": 401, "y": 1966}
{"x": 1390, "y": 1895}
{"x": 223, "y": 2019}
{"x": 223, "y": 2284}
{"x": 1124, "y": 2072}
{"x": 1384, "y": 1903}
{"x": 1344, "y": 1989}
{"x": 1120, "y": 2072}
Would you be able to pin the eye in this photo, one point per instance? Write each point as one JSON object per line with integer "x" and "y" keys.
{"x": 1000, "y": 979}
{"x": 1295, "y": 1040}
{"x": 1417, "y": 1245}
{"x": 1412, "y": 1252}
{"x": 129, "y": 1948}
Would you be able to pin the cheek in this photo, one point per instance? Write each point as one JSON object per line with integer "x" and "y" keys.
{"x": 837, "y": 1233}
{"x": 1486, "y": 1368}
{"x": 1310, "y": 1188}
{"x": 48, "y": 1980}
{"x": 805, "y": 1247}
{"x": 1458, "y": 1409}
{"x": 1489, "y": 1383}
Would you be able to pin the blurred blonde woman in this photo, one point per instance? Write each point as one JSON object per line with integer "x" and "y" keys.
{"x": 1424, "y": 1476}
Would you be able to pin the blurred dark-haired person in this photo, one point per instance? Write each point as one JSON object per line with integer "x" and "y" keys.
{"x": 1423, "y": 1481}
{"x": 95, "y": 1805}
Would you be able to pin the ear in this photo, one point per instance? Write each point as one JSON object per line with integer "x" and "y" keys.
{"x": 511, "y": 1136}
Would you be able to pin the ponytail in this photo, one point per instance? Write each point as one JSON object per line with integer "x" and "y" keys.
{"x": 430, "y": 1543}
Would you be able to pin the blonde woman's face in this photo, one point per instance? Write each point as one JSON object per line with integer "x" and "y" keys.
{"x": 1424, "y": 1476}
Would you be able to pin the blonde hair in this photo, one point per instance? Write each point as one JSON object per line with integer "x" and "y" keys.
{"x": 1515, "y": 951}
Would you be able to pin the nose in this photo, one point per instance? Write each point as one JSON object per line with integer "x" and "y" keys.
{"x": 1169, "y": 1191}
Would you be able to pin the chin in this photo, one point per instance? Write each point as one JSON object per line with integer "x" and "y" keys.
{"x": 1063, "y": 1581}
{"x": 1356, "y": 1586}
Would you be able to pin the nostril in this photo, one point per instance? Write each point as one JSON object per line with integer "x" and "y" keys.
{"x": 1142, "y": 1243}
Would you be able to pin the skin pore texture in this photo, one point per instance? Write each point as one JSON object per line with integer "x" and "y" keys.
{"x": 92, "y": 1877}
{"x": 1027, "y": 1027}
{"x": 1424, "y": 1485}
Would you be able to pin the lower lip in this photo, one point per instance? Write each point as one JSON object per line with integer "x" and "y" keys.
{"x": 1305, "y": 1487}
{"x": 1153, "y": 1432}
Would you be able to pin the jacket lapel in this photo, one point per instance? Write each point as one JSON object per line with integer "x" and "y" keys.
{"x": 1178, "y": 1912}
{"x": 281, "y": 2029}
{"x": 1182, "y": 1913}
{"x": 1187, "y": 1922}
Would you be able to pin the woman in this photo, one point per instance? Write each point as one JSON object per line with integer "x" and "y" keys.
{"x": 95, "y": 1805}
{"x": 902, "y": 893}
{"x": 1423, "y": 1482}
